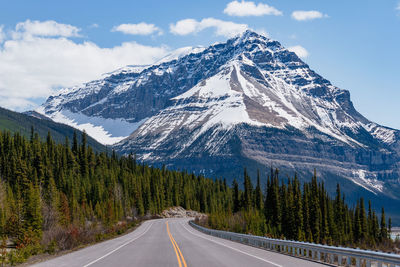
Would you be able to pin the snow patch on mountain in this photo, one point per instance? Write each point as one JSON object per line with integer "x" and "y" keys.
{"x": 368, "y": 181}
{"x": 105, "y": 131}
{"x": 222, "y": 104}
{"x": 179, "y": 53}
{"x": 384, "y": 134}
{"x": 126, "y": 69}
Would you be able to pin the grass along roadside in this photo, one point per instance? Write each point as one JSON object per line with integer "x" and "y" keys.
{"x": 132, "y": 226}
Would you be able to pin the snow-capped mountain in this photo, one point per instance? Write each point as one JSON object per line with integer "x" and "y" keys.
{"x": 246, "y": 102}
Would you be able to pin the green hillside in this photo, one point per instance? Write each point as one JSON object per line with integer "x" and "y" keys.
{"x": 18, "y": 122}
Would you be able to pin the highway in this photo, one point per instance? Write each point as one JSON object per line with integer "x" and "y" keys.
{"x": 172, "y": 242}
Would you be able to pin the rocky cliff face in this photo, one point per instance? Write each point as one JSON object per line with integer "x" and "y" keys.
{"x": 246, "y": 102}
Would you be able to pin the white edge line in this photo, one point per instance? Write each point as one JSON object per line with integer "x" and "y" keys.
{"x": 238, "y": 250}
{"x": 121, "y": 246}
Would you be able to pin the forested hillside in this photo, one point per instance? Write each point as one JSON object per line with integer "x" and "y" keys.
{"x": 304, "y": 213}
{"x": 59, "y": 196}
{"x": 22, "y": 123}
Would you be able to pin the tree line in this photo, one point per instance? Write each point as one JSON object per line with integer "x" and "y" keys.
{"x": 305, "y": 212}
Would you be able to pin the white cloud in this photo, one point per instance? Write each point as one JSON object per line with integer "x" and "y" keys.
{"x": 222, "y": 28}
{"x": 138, "y": 29}
{"x": 18, "y": 104}
{"x": 302, "y": 15}
{"x": 184, "y": 27}
{"x": 45, "y": 28}
{"x": 33, "y": 67}
{"x": 249, "y": 8}
{"x": 398, "y": 6}
{"x": 299, "y": 50}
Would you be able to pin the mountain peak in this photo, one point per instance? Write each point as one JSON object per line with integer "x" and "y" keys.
{"x": 249, "y": 34}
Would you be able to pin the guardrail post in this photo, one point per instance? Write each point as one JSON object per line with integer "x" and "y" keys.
{"x": 358, "y": 262}
{"x": 348, "y": 261}
{"x": 340, "y": 260}
{"x": 293, "y": 251}
{"x": 319, "y": 255}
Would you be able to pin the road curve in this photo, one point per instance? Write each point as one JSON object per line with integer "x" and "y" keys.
{"x": 172, "y": 242}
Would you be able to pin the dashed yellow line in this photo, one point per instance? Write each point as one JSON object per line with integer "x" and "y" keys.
{"x": 179, "y": 256}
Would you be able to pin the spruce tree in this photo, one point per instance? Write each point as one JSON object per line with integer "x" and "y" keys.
{"x": 258, "y": 194}
{"x": 248, "y": 191}
{"x": 383, "y": 231}
{"x": 236, "y": 196}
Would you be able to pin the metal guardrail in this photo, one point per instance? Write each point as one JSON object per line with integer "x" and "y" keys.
{"x": 338, "y": 256}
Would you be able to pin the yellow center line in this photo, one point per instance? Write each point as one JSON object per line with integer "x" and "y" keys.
{"x": 178, "y": 252}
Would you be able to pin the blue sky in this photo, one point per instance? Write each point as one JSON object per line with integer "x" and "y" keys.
{"x": 47, "y": 45}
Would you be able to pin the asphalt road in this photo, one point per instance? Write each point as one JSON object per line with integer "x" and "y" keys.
{"x": 172, "y": 242}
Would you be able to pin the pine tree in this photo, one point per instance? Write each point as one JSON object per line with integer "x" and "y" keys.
{"x": 75, "y": 144}
{"x": 258, "y": 194}
{"x": 370, "y": 221}
{"x": 248, "y": 191}
{"x": 298, "y": 210}
{"x": 33, "y": 210}
{"x": 383, "y": 231}
{"x": 315, "y": 210}
{"x": 363, "y": 220}
{"x": 236, "y": 196}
